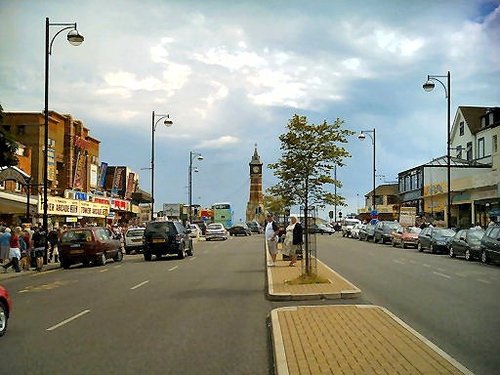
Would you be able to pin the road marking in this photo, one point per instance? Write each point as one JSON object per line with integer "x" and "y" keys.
{"x": 441, "y": 274}
{"x": 441, "y": 269}
{"x": 398, "y": 261}
{"x": 118, "y": 266}
{"x": 104, "y": 270}
{"x": 139, "y": 285}
{"x": 426, "y": 265}
{"x": 173, "y": 268}
{"x": 68, "y": 320}
{"x": 484, "y": 281}
{"x": 192, "y": 258}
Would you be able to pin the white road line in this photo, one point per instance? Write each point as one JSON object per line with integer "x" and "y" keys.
{"x": 441, "y": 274}
{"x": 68, "y": 320}
{"x": 484, "y": 281}
{"x": 173, "y": 268}
{"x": 441, "y": 269}
{"x": 398, "y": 261}
{"x": 104, "y": 270}
{"x": 426, "y": 265}
{"x": 139, "y": 285}
{"x": 192, "y": 258}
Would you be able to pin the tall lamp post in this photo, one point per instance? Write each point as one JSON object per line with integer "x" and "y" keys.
{"x": 167, "y": 122}
{"x": 362, "y": 136}
{"x": 429, "y": 86}
{"x": 192, "y": 156}
{"x": 75, "y": 39}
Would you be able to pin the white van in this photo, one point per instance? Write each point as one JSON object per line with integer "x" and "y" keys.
{"x": 347, "y": 225}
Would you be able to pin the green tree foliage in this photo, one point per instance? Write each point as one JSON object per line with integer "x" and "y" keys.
{"x": 309, "y": 155}
{"x": 8, "y": 146}
{"x": 275, "y": 205}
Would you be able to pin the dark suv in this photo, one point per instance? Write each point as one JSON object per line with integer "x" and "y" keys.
{"x": 383, "y": 231}
{"x": 490, "y": 245}
{"x": 166, "y": 237}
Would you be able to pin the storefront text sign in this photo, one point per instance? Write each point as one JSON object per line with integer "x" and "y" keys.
{"x": 72, "y": 207}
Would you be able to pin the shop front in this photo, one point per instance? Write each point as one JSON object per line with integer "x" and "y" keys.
{"x": 73, "y": 212}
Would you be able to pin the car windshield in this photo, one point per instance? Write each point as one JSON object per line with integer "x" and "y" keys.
{"x": 135, "y": 232}
{"x": 77, "y": 236}
{"x": 413, "y": 230}
{"x": 444, "y": 232}
{"x": 475, "y": 235}
{"x": 214, "y": 226}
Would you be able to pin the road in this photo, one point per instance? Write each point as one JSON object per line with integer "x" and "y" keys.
{"x": 453, "y": 303}
{"x": 202, "y": 315}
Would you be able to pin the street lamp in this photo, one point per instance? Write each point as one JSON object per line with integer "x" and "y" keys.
{"x": 167, "y": 122}
{"x": 362, "y": 136}
{"x": 192, "y": 156}
{"x": 75, "y": 39}
{"x": 429, "y": 86}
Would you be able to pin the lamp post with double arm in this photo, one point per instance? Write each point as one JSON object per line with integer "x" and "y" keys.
{"x": 75, "y": 39}
{"x": 429, "y": 86}
{"x": 362, "y": 136}
{"x": 192, "y": 156}
{"x": 155, "y": 119}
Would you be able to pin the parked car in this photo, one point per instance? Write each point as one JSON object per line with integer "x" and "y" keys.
{"x": 89, "y": 245}
{"x": 383, "y": 231}
{"x": 195, "y": 231}
{"x": 321, "y": 229}
{"x": 467, "y": 243}
{"x": 255, "y": 227}
{"x": 240, "y": 229}
{"x": 356, "y": 229}
{"x": 490, "y": 245}
{"x": 366, "y": 233}
{"x": 216, "y": 231}
{"x": 435, "y": 239}
{"x": 134, "y": 240}
{"x": 166, "y": 238}
{"x": 405, "y": 237}
{"x": 5, "y": 309}
{"x": 347, "y": 225}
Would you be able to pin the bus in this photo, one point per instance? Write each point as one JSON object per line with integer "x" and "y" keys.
{"x": 223, "y": 214}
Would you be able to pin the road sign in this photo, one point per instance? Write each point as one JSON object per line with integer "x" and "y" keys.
{"x": 374, "y": 213}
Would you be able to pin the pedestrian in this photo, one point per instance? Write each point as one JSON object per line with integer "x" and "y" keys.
{"x": 24, "y": 244}
{"x": 38, "y": 250}
{"x": 14, "y": 251}
{"x": 5, "y": 245}
{"x": 271, "y": 234}
{"x": 53, "y": 238}
{"x": 293, "y": 240}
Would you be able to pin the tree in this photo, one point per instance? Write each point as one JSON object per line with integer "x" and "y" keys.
{"x": 309, "y": 154}
{"x": 8, "y": 146}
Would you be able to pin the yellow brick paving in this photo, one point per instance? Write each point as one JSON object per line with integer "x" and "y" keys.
{"x": 354, "y": 339}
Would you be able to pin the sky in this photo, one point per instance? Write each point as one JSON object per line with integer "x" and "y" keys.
{"x": 230, "y": 74}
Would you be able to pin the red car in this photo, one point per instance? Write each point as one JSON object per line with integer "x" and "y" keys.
{"x": 405, "y": 237}
{"x": 5, "y": 309}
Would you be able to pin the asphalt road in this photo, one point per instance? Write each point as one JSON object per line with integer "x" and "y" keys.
{"x": 202, "y": 315}
{"x": 452, "y": 302}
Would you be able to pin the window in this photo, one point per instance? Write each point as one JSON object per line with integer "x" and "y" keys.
{"x": 21, "y": 130}
{"x": 462, "y": 128}
{"x": 483, "y": 121}
{"x": 469, "y": 150}
{"x": 480, "y": 148}
{"x": 459, "y": 152}
{"x": 18, "y": 187}
{"x": 490, "y": 119}
{"x": 494, "y": 144}
{"x": 6, "y": 128}
{"x": 2, "y": 185}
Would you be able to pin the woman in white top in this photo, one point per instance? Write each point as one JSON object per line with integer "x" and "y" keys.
{"x": 293, "y": 240}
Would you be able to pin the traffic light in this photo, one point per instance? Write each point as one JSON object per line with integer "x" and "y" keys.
{"x": 340, "y": 215}
{"x": 330, "y": 214}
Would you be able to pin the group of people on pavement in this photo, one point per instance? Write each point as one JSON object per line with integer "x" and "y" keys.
{"x": 292, "y": 244}
{"x": 19, "y": 244}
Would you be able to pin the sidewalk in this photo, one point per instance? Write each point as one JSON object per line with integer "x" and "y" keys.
{"x": 11, "y": 273}
{"x": 344, "y": 339}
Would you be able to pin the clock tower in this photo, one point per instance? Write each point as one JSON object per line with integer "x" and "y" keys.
{"x": 255, "y": 205}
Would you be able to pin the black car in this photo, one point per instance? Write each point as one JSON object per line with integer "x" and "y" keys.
{"x": 490, "y": 245}
{"x": 240, "y": 229}
{"x": 435, "y": 239}
{"x": 383, "y": 231}
{"x": 366, "y": 233}
{"x": 467, "y": 243}
{"x": 166, "y": 237}
{"x": 254, "y": 226}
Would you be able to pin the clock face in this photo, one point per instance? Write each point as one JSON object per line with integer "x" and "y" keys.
{"x": 256, "y": 169}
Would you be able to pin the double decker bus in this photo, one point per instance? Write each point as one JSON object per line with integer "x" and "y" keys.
{"x": 223, "y": 214}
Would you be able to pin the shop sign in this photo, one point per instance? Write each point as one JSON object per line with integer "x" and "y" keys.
{"x": 100, "y": 200}
{"x": 119, "y": 204}
{"x": 80, "y": 195}
{"x": 71, "y": 219}
{"x": 407, "y": 216}
{"x": 71, "y": 207}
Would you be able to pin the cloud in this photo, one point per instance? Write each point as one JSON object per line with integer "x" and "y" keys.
{"x": 218, "y": 143}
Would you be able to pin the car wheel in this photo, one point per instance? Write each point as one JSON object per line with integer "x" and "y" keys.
{"x": 147, "y": 256}
{"x": 452, "y": 253}
{"x": 484, "y": 257}
{"x": 65, "y": 264}
{"x": 119, "y": 256}
{"x": 180, "y": 254}
{"x": 468, "y": 255}
{"x": 102, "y": 259}
{"x": 127, "y": 251}
{"x": 85, "y": 263}
{"x": 419, "y": 247}
{"x": 403, "y": 246}
{"x": 393, "y": 243}
{"x": 4, "y": 318}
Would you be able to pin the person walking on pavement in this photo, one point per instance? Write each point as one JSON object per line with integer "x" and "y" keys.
{"x": 14, "y": 251}
{"x": 5, "y": 245}
{"x": 271, "y": 234}
{"x": 293, "y": 239}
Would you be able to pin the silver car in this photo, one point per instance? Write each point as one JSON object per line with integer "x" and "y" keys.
{"x": 216, "y": 231}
